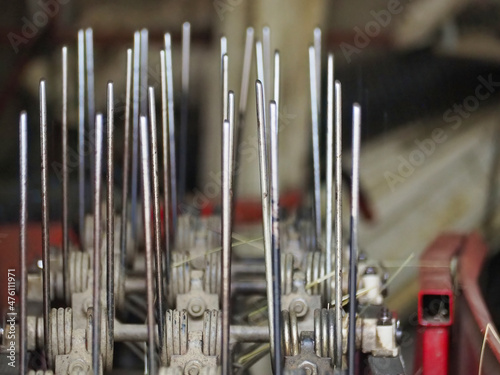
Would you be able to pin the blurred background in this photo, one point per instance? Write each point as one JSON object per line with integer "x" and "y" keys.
{"x": 426, "y": 73}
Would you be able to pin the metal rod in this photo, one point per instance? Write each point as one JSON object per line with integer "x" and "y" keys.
{"x": 329, "y": 175}
{"x": 276, "y": 93}
{"x": 259, "y": 54}
{"x": 353, "y": 256}
{"x": 166, "y": 168}
{"x": 146, "y": 185}
{"x": 135, "y": 134}
{"x": 143, "y": 92}
{"x": 231, "y": 113}
{"x": 81, "y": 136}
{"x": 275, "y": 237}
{"x": 89, "y": 56}
{"x": 186, "y": 38}
{"x": 245, "y": 76}
{"x": 224, "y": 86}
{"x": 315, "y": 144}
{"x": 239, "y": 333}
{"x": 227, "y": 157}
{"x": 264, "y": 190}
{"x": 23, "y": 219}
{"x": 110, "y": 214}
{"x": 64, "y": 129}
{"x": 157, "y": 222}
{"x": 45, "y": 224}
{"x": 338, "y": 225}
{"x": 171, "y": 130}
{"x": 266, "y": 44}
{"x": 242, "y": 109}
{"x": 126, "y": 157}
{"x": 96, "y": 302}
{"x": 317, "y": 49}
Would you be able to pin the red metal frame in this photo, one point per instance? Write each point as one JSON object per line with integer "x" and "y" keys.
{"x": 436, "y": 304}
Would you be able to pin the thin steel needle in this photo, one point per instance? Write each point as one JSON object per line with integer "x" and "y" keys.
{"x": 227, "y": 155}
{"x": 135, "y": 134}
{"x": 96, "y": 316}
{"x": 126, "y": 157}
{"x": 276, "y": 93}
{"x": 353, "y": 256}
{"x": 45, "y": 224}
{"x": 146, "y": 185}
{"x": 186, "y": 38}
{"x": 23, "y": 219}
{"x": 231, "y": 117}
{"x": 329, "y": 175}
{"x": 171, "y": 130}
{"x": 245, "y": 77}
{"x": 275, "y": 238}
{"x": 157, "y": 223}
{"x": 317, "y": 49}
{"x": 64, "y": 128}
{"x": 259, "y": 55}
{"x": 224, "y": 86}
{"x": 81, "y": 135}
{"x": 338, "y": 225}
{"x": 143, "y": 94}
{"x": 224, "y": 77}
{"x": 110, "y": 214}
{"x": 266, "y": 44}
{"x": 166, "y": 168}
{"x": 245, "y": 80}
{"x": 89, "y": 56}
{"x": 264, "y": 190}
{"x": 315, "y": 144}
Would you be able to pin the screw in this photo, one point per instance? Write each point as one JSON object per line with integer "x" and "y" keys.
{"x": 385, "y": 318}
{"x": 196, "y": 307}
{"x": 299, "y": 306}
{"x": 399, "y": 332}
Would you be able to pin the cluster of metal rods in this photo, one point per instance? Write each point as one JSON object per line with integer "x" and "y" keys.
{"x": 144, "y": 130}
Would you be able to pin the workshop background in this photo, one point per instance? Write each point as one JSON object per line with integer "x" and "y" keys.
{"x": 426, "y": 73}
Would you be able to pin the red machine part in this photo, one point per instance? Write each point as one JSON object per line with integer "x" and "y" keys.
{"x": 472, "y": 317}
{"x": 435, "y": 304}
{"x": 453, "y": 323}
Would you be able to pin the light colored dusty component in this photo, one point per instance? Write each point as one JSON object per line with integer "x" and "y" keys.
{"x": 61, "y": 321}
{"x": 197, "y": 300}
{"x": 176, "y": 328}
{"x": 192, "y": 350}
{"x": 212, "y": 276}
{"x": 40, "y": 372}
{"x": 301, "y": 303}
{"x": 170, "y": 371}
{"x": 179, "y": 277}
{"x": 386, "y": 340}
{"x": 371, "y": 282}
{"x": 211, "y": 371}
{"x": 212, "y": 334}
{"x": 79, "y": 360}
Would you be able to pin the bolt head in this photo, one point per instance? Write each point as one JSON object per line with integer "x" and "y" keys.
{"x": 196, "y": 307}
{"x": 309, "y": 368}
{"x": 299, "y": 306}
